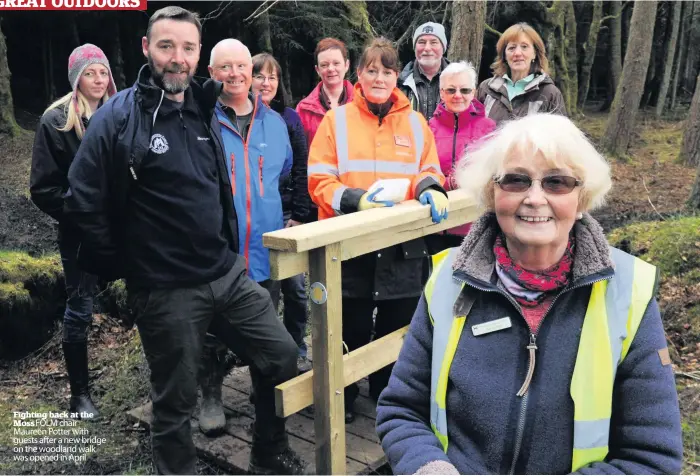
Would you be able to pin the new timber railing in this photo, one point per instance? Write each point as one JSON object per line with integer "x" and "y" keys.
{"x": 318, "y": 248}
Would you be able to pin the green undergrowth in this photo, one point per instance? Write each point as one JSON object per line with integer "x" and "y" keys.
{"x": 690, "y": 425}
{"x": 21, "y": 274}
{"x": 672, "y": 245}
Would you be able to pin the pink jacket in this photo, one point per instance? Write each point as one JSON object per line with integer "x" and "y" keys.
{"x": 453, "y": 133}
{"x": 311, "y": 112}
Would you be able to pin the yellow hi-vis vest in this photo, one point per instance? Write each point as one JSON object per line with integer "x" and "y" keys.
{"x": 615, "y": 309}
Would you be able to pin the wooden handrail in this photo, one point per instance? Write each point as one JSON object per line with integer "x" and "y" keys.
{"x": 319, "y": 248}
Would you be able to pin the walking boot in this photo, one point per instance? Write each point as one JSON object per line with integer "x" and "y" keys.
{"x": 212, "y": 419}
{"x": 284, "y": 462}
{"x": 76, "y": 356}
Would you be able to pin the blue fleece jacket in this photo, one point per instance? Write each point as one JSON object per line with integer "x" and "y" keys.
{"x": 483, "y": 410}
{"x": 257, "y": 162}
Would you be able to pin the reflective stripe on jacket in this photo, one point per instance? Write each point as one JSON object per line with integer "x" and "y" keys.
{"x": 615, "y": 310}
{"x": 353, "y": 149}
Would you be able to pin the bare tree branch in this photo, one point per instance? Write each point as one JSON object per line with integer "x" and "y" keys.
{"x": 217, "y": 12}
{"x": 253, "y": 15}
{"x": 492, "y": 30}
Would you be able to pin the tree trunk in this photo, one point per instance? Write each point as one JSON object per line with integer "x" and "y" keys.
{"x": 624, "y": 110}
{"x": 264, "y": 37}
{"x": 690, "y": 148}
{"x": 116, "y": 59}
{"x": 8, "y": 125}
{"x": 680, "y": 53}
{"x": 559, "y": 34}
{"x": 689, "y": 64}
{"x": 615, "y": 55}
{"x": 694, "y": 200}
{"x": 670, "y": 51}
{"x": 467, "y": 36}
{"x": 74, "y": 33}
{"x": 589, "y": 48}
{"x": 359, "y": 18}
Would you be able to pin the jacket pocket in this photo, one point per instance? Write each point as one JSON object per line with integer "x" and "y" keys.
{"x": 260, "y": 175}
{"x": 414, "y": 249}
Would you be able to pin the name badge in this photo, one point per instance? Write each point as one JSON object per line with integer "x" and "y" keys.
{"x": 491, "y": 326}
{"x": 403, "y": 141}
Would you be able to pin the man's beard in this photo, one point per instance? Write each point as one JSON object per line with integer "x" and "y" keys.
{"x": 429, "y": 61}
{"x": 171, "y": 86}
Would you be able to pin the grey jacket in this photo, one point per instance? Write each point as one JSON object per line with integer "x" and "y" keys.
{"x": 541, "y": 95}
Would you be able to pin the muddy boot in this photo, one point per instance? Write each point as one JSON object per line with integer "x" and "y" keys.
{"x": 76, "y": 356}
{"x": 212, "y": 419}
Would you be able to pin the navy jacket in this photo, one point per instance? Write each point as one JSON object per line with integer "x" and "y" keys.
{"x": 487, "y": 371}
{"x": 107, "y": 165}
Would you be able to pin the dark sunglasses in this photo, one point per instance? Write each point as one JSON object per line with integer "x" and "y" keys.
{"x": 554, "y": 184}
{"x": 453, "y": 91}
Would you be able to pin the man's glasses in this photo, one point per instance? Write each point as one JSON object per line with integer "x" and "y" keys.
{"x": 453, "y": 91}
{"x": 554, "y": 184}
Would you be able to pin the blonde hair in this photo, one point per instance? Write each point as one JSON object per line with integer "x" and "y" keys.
{"x": 529, "y": 136}
{"x": 74, "y": 118}
{"x": 500, "y": 65}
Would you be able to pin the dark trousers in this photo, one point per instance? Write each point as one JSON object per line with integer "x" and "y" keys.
{"x": 173, "y": 324}
{"x": 80, "y": 291}
{"x": 295, "y": 316}
{"x": 392, "y": 314}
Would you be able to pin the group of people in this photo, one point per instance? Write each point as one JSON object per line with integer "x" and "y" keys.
{"x": 171, "y": 184}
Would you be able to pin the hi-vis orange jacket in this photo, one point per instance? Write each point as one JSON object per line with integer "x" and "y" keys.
{"x": 353, "y": 148}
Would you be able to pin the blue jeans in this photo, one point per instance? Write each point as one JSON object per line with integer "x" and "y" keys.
{"x": 80, "y": 289}
{"x": 295, "y": 316}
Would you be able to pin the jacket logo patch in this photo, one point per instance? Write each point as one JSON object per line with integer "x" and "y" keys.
{"x": 158, "y": 144}
{"x": 403, "y": 141}
{"x": 202, "y": 138}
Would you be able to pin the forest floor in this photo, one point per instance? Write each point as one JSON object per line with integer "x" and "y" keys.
{"x": 650, "y": 190}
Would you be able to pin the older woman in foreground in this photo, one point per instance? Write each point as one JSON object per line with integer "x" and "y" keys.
{"x": 536, "y": 347}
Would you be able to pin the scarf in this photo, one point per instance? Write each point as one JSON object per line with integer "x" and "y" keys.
{"x": 531, "y": 288}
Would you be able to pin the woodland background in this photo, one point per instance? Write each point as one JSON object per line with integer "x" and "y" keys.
{"x": 629, "y": 72}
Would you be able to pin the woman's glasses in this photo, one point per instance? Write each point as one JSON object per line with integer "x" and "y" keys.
{"x": 453, "y": 91}
{"x": 554, "y": 184}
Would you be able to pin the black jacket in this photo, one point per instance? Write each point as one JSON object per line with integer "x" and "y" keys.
{"x": 107, "y": 166}
{"x": 52, "y": 154}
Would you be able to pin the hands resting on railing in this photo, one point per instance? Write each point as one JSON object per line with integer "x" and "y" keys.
{"x": 439, "y": 203}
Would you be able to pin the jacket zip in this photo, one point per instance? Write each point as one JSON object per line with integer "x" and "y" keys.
{"x": 531, "y": 347}
{"x": 260, "y": 175}
{"x": 454, "y": 140}
{"x": 248, "y": 197}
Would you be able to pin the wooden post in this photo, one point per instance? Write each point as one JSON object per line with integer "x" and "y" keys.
{"x": 327, "y": 322}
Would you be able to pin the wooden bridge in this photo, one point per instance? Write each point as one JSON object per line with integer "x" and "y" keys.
{"x": 320, "y": 434}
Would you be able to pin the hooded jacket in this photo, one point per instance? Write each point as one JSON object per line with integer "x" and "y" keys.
{"x": 256, "y": 164}
{"x": 541, "y": 95}
{"x": 381, "y": 148}
{"x": 483, "y": 410}
{"x": 417, "y": 89}
{"x": 453, "y": 133}
{"x": 52, "y": 154}
{"x": 108, "y": 164}
{"x": 311, "y": 111}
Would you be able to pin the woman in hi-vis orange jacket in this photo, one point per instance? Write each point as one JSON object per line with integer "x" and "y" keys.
{"x": 376, "y": 136}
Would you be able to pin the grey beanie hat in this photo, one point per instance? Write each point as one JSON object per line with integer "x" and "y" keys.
{"x": 82, "y": 57}
{"x": 431, "y": 28}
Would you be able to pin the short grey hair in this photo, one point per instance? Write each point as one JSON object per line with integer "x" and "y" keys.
{"x": 532, "y": 135}
{"x": 459, "y": 67}
{"x": 228, "y": 42}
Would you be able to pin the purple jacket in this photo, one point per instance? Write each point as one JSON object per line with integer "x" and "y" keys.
{"x": 453, "y": 133}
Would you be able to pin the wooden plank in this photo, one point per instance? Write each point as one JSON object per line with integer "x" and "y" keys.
{"x": 399, "y": 234}
{"x": 231, "y": 450}
{"x": 293, "y": 395}
{"x": 353, "y": 225}
{"x": 327, "y": 325}
{"x": 284, "y": 264}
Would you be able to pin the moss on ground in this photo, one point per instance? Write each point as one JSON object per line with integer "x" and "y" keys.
{"x": 672, "y": 245}
{"x": 691, "y": 443}
{"x": 19, "y": 267}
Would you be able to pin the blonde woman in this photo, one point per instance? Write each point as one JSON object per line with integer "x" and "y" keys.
{"x": 521, "y": 83}
{"x": 536, "y": 347}
{"x": 56, "y": 142}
